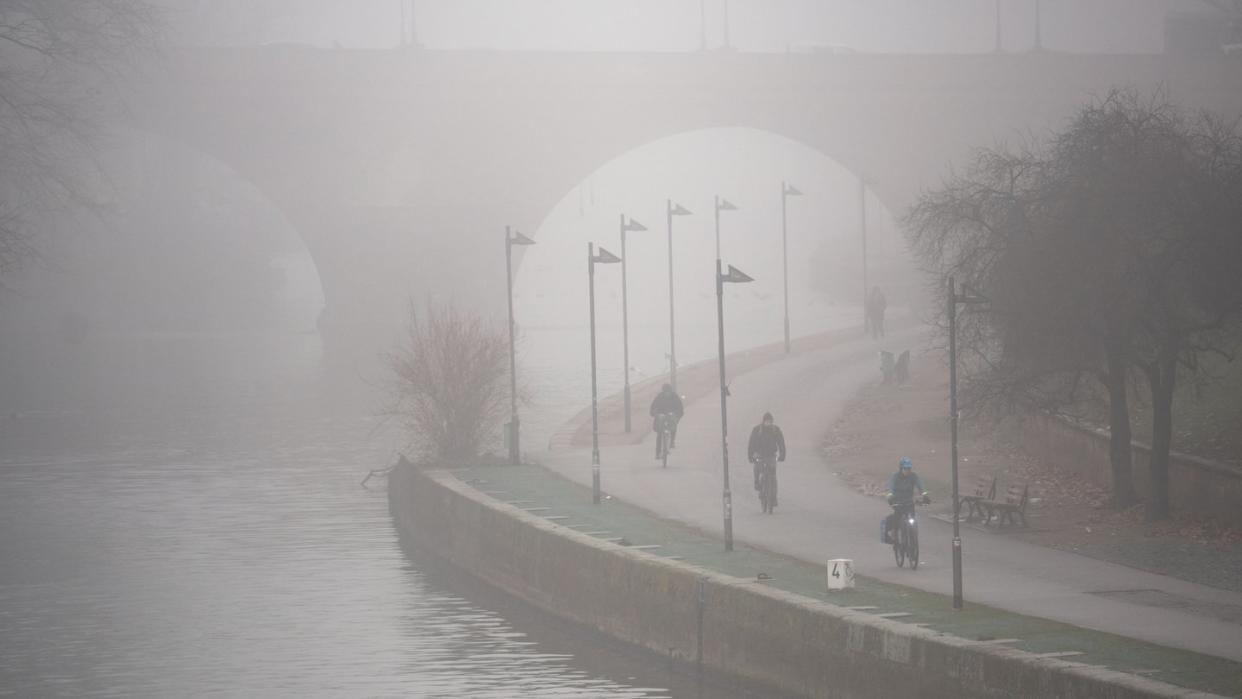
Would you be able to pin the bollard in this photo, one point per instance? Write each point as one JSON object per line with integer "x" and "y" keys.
{"x": 840, "y": 574}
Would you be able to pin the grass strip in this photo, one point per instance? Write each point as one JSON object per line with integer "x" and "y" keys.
{"x": 978, "y": 622}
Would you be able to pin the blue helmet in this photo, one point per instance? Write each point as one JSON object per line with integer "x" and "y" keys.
{"x": 906, "y": 462}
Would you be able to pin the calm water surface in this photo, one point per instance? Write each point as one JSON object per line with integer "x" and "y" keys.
{"x": 197, "y": 528}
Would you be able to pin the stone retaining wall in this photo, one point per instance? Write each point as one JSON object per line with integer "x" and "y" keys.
{"x": 1195, "y": 485}
{"x": 788, "y": 642}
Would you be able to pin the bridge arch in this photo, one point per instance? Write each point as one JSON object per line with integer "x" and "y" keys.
{"x": 746, "y": 166}
{"x": 478, "y": 140}
{"x": 230, "y": 209}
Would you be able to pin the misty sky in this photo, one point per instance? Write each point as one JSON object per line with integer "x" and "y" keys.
{"x": 1108, "y": 26}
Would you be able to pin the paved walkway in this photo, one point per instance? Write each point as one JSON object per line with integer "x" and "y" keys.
{"x": 820, "y": 518}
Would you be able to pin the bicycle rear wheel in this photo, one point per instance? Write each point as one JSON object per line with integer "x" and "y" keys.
{"x": 664, "y": 435}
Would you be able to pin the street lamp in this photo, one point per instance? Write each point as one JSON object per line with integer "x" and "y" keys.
{"x": 862, "y": 226}
{"x": 787, "y": 190}
{"x": 604, "y": 257}
{"x": 721, "y": 205}
{"x": 999, "y": 44}
{"x": 1039, "y": 43}
{"x": 626, "y": 226}
{"x": 414, "y": 24}
{"x": 511, "y": 239}
{"x": 672, "y": 210}
{"x": 968, "y": 297}
{"x": 734, "y": 276}
{"x": 702, "y": 25}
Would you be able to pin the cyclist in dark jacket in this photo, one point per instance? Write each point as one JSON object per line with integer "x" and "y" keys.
{"x": 666, "y": 401}
{"x": 766, "y": 441}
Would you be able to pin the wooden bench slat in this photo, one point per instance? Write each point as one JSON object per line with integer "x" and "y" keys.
{"x": 1012, "y": 509}
{"x": 985, "y": 489}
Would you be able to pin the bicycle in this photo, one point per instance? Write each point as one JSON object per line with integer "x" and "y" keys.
{"x": 767, "y": 483}
{"x": 905, "y": 535}
{"x": 665, "y": 423}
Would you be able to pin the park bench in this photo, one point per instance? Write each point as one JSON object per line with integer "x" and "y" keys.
{"x": 895, "y": 369}
{"x": 901, "y": 371}
{"x": 985, "y": 491}
{"x": 1011, "y": 509}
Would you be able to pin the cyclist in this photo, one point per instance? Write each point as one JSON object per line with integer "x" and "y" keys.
{"x": 766, "y": 442}
{"x": 666, "y": 401}
{"x": 902, "y": 487}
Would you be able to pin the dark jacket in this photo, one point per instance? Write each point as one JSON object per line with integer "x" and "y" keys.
{"x": 667, "y": 402}
{"x": 766, "y": 440}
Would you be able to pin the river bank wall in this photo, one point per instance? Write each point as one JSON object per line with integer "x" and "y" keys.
{"x": 739, "y": 627}
{"x": 1196, "y": 486}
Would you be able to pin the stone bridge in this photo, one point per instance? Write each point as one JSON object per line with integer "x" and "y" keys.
{"x": 401, "y": 168}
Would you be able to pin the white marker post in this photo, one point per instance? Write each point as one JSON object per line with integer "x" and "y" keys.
{"x": 840, "y": 574}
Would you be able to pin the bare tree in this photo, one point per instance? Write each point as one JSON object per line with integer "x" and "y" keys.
{"x": 448, "y": 386}
{"x": 55, "y": 80}
{"x": 1112, "y": 249}
{"x": 1035, "y": 346}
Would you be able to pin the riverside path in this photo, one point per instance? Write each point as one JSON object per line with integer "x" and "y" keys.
{"x": 820, "y": 517}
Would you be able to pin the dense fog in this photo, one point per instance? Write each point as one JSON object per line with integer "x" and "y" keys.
{"x": 236, "y": 235}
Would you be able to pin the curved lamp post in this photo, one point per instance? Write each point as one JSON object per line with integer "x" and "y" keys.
{"x": 787, "y": 190}
{"x": 862, "y": 232}
{"x": 721, "y": 205}
{"x": 627, "y": 225}
{"x": 734, "y": 276}
{"x": 672, "y": 210}
{"x": 513, "y": 238}
{"x": 604, "y": 257}
{"x": 970, "y": 297}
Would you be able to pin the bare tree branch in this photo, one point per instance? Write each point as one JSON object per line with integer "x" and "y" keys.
{"x": 55, "y": 56}
{"x": 1115, "y": 245}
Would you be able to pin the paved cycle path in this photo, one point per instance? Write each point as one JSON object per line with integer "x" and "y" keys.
{"x": 819, "y": 517}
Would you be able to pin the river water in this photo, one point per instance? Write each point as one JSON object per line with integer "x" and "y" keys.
{"x": 194, "y": 525}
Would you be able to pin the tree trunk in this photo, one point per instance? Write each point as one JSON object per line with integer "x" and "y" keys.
{"x": 1119, "y": 452}
{"x": 1161, "y": 376}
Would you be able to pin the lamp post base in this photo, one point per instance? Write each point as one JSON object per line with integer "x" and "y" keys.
{"x": 515, "y": 451}
{"x": 957, "y": 572}
{"x": 627, "y": 407}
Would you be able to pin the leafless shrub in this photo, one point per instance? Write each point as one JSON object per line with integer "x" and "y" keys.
{"x": 448, "y": 384}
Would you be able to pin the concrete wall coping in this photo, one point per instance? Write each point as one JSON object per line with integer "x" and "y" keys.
{"x": 1218, "y": 467}
{"x": 892, "y": 629}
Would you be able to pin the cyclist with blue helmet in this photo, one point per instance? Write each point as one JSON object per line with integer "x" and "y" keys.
{"x": 902, "y": 487}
